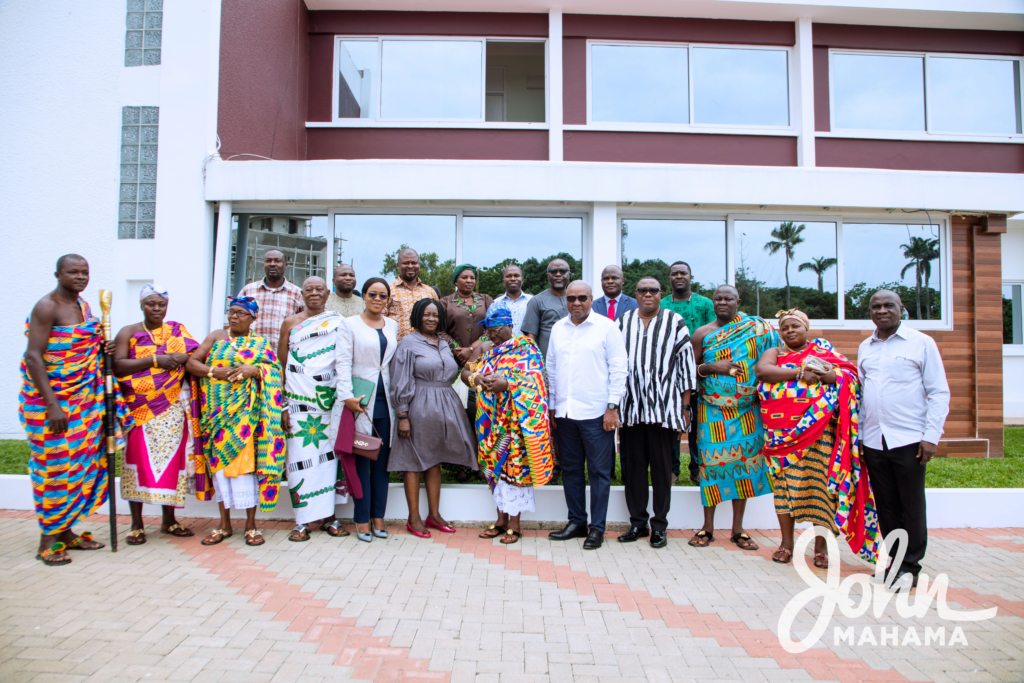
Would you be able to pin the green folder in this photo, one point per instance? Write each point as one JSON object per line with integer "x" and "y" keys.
{"x": 364, "y": 388}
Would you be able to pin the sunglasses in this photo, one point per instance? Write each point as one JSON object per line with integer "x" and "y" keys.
{"x": 648, "y": 290}
{"x": 376, "y": 295}
{"x": 558, "y": 271}
{"x": 582, "y": 298}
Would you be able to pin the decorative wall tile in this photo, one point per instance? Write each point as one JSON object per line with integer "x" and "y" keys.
{"x": 144, "y": 22}
{"x": 136, "y": 211}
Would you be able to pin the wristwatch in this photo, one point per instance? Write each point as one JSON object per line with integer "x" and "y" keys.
{"x": 613, "y": 406}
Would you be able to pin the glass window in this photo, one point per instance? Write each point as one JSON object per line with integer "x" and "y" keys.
{"x": 357, "y": 64}
{"x": 304, "y": 240}
{"x": 515, "y": 81}
{"x": 953, "y": 88}
{"x": 370, "y": 244}
{"x": 740, "y": 86}
{"x": 637, "y": 83}
{"x": 492, "y": 242}
{"x": 432, "y": 79}
{"x": 1013, "y": 321}
{"x": 878, "y": 92}
{"x": 651, "y": 246}
{"x": 904, "y": 258}
{"x": 787, "y": 264}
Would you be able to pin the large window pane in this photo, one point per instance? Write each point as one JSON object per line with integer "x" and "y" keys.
{"x": 357, "y": 64}
{"x": 492, "y": 242}
{"x": 635, "y": 83}
{"x": 370, "y": 244}
{"x": 953, "y": 88}
{"x": 743, "y": 87}
{"x": 1013, "y": 320}
{"x": 904, "y": 258}
{"x": 515, "y": 81}
{"x": 878, "y": 92}
{"x": 651, "y": 246}
{"x": 304, "y": 240}
{"x": 787, "y": 264}
{"x": 431, "y": 79}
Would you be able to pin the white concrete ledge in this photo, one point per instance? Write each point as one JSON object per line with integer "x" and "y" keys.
{"x": 947, "y": 508}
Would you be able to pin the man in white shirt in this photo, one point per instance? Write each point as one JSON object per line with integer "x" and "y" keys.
{"x": 514, "y": 297}
{"x": 904, "y": 406}
{"x": 586, "y": 365}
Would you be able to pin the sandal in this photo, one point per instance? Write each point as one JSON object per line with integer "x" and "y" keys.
{"x": 136, "y": 537}
{"x": 300, "y": 534}
{"x": 177, "y": 530}
{"x": 254, "y": 538}
{"x": 782, "y": 555}
{"x": 215, "y": 537}
{"x": 702, "y": 539}
{"x": 335, "y": 529}
{"x": 511, "y": 536}
{"x": 57, "y": 548}
{"x": 76, "y": 543}
{"x": 821, "y": 561}
{"x": 493, "y": 531}
{"x": 744, "y": 541}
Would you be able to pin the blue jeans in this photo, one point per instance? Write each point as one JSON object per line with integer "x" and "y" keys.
{"x": 585, "y": 442}
{"x": 373, "y": 477}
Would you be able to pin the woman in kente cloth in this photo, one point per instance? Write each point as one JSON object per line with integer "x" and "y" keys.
{"x": 809, "y": 410}
{"x": 512, "y": 427}
{"x": 239, "y": 452}
{"x": 149, "y": 361}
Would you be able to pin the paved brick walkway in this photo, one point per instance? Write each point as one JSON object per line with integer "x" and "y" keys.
{"x": 459, "y": 609}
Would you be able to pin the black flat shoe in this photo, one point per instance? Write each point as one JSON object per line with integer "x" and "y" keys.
{"x": 633, "y": 534}
{"x": 658, "y": 539}
{"x": 594, "y": 540}
{"x": 570, "y": 530}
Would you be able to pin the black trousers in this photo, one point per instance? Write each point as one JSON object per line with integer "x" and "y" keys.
{"x": 691, "y": 439}
{"x": 646, "y": 447}
{"x": 897, "y": 480}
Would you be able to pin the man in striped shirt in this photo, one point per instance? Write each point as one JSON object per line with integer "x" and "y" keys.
{"x": 277, "y": 298}
{"x": 656, "y": 408}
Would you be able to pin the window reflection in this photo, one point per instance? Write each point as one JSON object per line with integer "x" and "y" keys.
{"x": 515, "y": 81}
{"x": 740, "y": 86}
{"x": 304, "y": 240}
{"x": 635, "y": 83}
{"x": 904, "y": 258}
{"x": 492, "y": 242}
{"x": 953, "y": 86}
{"x": 370, "y": 244}
{"x": 435, "y": 79}
{"x": 651, "y": 246}
{"x": 878, "y": 92}
{"x": 357, "y": 64}
{"x": 1013, "y": 317}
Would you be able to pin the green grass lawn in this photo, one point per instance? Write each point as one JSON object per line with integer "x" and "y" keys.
{"x": 1005, "y": 472}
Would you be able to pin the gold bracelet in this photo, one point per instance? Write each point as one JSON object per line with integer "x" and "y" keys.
{"x": 472, "y": 380}
{"x": 698, "y": 371}
{"x": 210, "y": 373}
{"x": 155, "y": 364}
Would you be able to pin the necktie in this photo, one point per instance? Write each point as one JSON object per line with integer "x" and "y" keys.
{"x": 611, "y": 309}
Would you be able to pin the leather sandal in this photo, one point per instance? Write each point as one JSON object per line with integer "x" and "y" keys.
{"x": 782, "y": 555}
{"x": 493, "y": 531}
{"x": 300, "y": 534}
{"x": 702, "y": 539}
{"x": 215, "y": 537}
{"x": 335, "y": 529}
{"x": 510, "y": 536}
{"x": 744, "y": 541}
{"x": 177, "y": 530}
{"x": 53, "y": 551}
{"x": 76, "y": 543}
{"x": 136, "y": 537}
{"x": 254, "y": 538}
{"x": 821, "y": 561}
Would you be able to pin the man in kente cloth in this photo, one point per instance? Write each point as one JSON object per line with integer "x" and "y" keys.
{"x": 61, "y": 406}
{"x": 730, "y": 434}
{"x": 306, "y": 351}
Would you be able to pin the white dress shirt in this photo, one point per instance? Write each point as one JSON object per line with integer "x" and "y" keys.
{"x": 905, "y": 393}
{"x": 586, "y": 367}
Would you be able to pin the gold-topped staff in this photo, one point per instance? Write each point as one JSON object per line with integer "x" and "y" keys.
{"x": 109, "y": 416}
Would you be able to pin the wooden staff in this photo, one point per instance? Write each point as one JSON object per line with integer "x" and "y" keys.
{"x": 109, "y": 416}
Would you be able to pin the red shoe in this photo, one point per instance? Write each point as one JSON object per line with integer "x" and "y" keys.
{"x": 417, "y": 534}
{"x": 444, "y": 529}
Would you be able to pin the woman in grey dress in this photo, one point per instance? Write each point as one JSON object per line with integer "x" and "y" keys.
{"x": 432, "y": 424}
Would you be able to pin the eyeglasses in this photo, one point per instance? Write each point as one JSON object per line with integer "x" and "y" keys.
{"x": 376, "y": 295}
{"x": 582, "y": 298}
{"x": 648, "y": 290}
{"x": 558, "y": 271}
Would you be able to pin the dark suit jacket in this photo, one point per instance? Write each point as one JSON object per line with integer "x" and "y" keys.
{"x": 622, "y": 304}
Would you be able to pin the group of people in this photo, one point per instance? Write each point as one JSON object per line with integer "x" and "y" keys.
{"x": 333, "y": 389}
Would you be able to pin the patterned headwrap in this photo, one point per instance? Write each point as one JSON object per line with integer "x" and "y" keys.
{"x": 459, "y": 269}
{"x": 498, "y": 315}
{"x": 246, "y": 302}
{"x": 794, "y": 313}
{"x": 148, "y": 289}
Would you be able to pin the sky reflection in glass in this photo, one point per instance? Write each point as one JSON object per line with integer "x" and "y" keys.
{"x": 489, "y": 240}
{"x": 700, "y": 243}
{"x": 740, "y": 86}
{"x": 953, "y": 89}
{"x": 431, "y": 79}
{"x": 368, "y": 237}
{"x": 633, "y": 83}
{"x": 878, "y": 92}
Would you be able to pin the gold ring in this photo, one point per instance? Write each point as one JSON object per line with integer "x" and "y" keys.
{"x": 733, "y": 372}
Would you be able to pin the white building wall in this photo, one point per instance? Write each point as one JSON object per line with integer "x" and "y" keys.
{"x": 1013, "y": 356}
{"x": 63, "y": 83}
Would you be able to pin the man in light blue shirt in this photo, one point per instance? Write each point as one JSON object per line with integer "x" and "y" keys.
{"x": 514, "y": 297}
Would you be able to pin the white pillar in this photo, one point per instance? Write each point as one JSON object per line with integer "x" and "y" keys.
{"x": 803, "y": 116}
{"x": 555, "y": 85}
{"x": 604, "y": 237}
{"x": 221, "y": 259}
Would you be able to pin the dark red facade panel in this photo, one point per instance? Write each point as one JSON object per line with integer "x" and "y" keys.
{"x": 372, "y": 22}
{"x": 427, "y": 143}
{"x": 321, "y": 77}
{"x": 927, "y": 155}
{"x": 679, "y": 148}
{"x": 822, "y": 111}
{"x": 574, "y": 81}
{"x": 855, "y": 37}
{"x": 610, "y": 27}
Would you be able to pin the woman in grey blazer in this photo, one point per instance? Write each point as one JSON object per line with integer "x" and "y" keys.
{"x": 366, "y": 344}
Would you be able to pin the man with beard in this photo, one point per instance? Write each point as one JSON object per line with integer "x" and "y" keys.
{"x": 277, "y": 298}
{"x": 406, "y": 291}
{"x": 344, "y": 300}
{"x": 514, "y": 298}
{"x": 548, "y": 307}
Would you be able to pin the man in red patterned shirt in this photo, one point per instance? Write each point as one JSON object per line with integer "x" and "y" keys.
{"x": 406, "y": 291}
{"x": 277, "y": 297}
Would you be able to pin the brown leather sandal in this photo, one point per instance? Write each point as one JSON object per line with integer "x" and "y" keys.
{"x": 136, "y": 537}
{"x": 702, "y": 539}
{"x": 493, "y": 531}
{"x": 215, "y": 537}
{"x": 821, "y": 561}
{"x": 782, "y": 555}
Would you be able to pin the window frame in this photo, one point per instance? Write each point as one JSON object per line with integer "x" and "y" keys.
{"x": 790, "y": 130}
{"x": 1013, "y": 349}
{"x": 945, "y": 322}
{"x": 381, "y": 122}
{"x": 926, "y": 134}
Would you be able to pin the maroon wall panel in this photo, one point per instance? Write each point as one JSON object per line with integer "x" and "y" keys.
{"x": 969, "y": 157}
{"x": 822, "y": 114}
{"x": 919, "y": 39}
{"x": 374, "y": 22}
{"x": 321, "y": 77}
{"x": 427, "y": 143}
{"x": 610, "y": 27}
{"x": 574, "y": 80}
{"x": 263, "y": 72}
{"x": 680, "y": 148}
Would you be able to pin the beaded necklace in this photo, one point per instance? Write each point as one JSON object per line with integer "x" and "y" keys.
{"x": 152, "y": 337}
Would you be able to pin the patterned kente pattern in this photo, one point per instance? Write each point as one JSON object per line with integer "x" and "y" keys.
{"x": 150, "y": 392}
